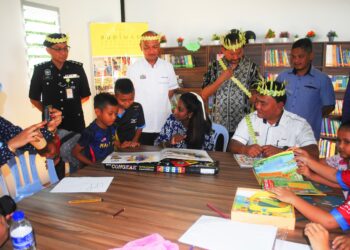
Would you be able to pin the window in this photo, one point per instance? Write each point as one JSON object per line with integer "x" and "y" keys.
{"x": 39, "y": 20}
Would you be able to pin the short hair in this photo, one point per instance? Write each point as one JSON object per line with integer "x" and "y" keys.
{"x": 149, "y": 33}
{"x": 123, "y": 86}
{"x": 345, "y": 126}
{"x": 232, "y": 37}
{"x": 55, "y": 38}
{"x": 304, "y": 43}
{"x": 101, "y": 100}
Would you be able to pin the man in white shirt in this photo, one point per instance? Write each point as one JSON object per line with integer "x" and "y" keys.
{"x": 154, "y": 80}
{"x": 271, "y": 129}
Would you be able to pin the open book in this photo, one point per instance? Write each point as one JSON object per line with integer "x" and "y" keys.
{"x": 170, "y": 160}
{"x": 245, "y": 161}
{"x": 298, "y": 187}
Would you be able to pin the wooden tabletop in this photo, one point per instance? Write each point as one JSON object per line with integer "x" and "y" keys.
{"x": 167, "y": 204}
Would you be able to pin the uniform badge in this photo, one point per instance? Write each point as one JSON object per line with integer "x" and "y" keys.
{"x": 142, "y": 76}
{"x": 47, "y": 74}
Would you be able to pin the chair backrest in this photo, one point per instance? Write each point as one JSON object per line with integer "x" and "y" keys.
{"x": 30, "y": 185}
{"x": 220, "y": 130}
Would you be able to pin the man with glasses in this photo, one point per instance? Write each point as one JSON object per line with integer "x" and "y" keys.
{"x": 61, "y": 83}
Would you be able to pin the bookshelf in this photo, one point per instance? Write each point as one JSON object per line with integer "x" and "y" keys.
{"x": 273, "y": 58}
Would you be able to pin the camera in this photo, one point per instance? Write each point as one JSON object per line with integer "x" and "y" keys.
{"x": 7, "y": 205}
{"x": 46, "y": 116}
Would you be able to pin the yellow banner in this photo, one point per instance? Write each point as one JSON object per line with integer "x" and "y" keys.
{"x": 116, "y": 39}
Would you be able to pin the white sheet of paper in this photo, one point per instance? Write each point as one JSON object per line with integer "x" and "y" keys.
{"x": 287, "y": 245}
{"x": 220, "y": 234}
{"x": 83, "y": 185}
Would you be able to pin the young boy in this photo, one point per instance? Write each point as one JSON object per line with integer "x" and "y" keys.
{"x": 130, "y": 119}
{"x": 339, "y": 216}
{"x": 96, "y": 141}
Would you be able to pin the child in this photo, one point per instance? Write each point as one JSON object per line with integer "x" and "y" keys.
{"x": 338, "y": 217}
{"x": 130, "y": 120}
{"x": 96, "y": 140}
{"x": 189, "y": 126}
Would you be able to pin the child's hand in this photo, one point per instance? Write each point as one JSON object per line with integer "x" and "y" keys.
{"x": 300, "y": 152}
{"x": 341, "y": 242}
{"x": 318, "y": 236}
{"x": 284, "y": 194}
{"x": 177, "y": 139}
{"x": 304, "y": 170}
{"x": 134, "y": 144}
{"x": 302, "y": 160}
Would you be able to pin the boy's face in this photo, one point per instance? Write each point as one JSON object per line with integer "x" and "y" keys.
{"x": 107, "y": 115}
{"x": 125, "y": 100}
{"x": 344, "y": 143}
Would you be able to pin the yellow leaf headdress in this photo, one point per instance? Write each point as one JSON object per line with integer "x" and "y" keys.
{"x": 226, "y": 43}
{"x": 62, "y": 39}
{"x": 151, "y": 38}
{"x": 271, "y": 90}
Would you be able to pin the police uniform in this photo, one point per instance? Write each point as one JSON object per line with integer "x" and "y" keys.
{"x": 63, "y": 89}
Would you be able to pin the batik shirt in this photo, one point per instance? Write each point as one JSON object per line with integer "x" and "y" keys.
{"x": 230, "y": 104}
{"x": 173, "y": 127}
{"x": 342, "y": 213}
{"x": 338, "y": 162}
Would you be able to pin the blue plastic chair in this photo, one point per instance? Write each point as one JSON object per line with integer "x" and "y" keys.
{"x": 220, "y": 130}
{"x": 33, "y": 186}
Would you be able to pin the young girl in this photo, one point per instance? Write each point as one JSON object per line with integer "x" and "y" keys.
{"x": 339, "y": 216}
{"x": 188, "y": 126}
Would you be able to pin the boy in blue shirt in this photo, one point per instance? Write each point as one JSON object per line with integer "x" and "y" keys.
{"x": 130, "y": 119}
{"x": 96, "y": 141}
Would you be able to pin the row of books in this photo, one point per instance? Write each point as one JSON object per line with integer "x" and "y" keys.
{"x": 270, "y": 76}
{"x": 338, "y": 108}
{"x": 327, "y": 148}
{"x": 329, "y": 127}
{"x": 336, "y": 56}
{"x": 276, "y": 58}
{"x": 182, "y": 61}
{"x": 340, "y": 82}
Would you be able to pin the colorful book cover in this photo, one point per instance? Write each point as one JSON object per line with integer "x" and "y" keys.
{"x": 260, "y": 207}
{"x": 245, "y": 161}
{"x": 298, "y": 187}
{"x": 282, "y": 165}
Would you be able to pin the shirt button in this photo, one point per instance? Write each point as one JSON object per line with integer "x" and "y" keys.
{"x": 61, "y": 92}
{"x": 61, "y": 108}
{"x": 59, "y": 83}
{"x": 59, "y": 74}
{"x": 78, "y": 114}
{"x": 47, "y": 83}
{"x": 61, "y": 100}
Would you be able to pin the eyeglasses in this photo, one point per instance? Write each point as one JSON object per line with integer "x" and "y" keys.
{"x": 65, "y": 49}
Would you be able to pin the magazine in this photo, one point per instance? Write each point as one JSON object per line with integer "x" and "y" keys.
{"x": 298, "y": 187}
{"x": 245, "y": 161}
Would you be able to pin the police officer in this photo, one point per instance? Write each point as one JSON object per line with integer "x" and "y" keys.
{"x": 61, "y": 83}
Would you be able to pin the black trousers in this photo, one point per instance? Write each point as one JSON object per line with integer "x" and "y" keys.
{"x": 148, "y": 138}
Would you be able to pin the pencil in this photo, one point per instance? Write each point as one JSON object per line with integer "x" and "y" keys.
{"x": 119, "y": 212}
{"x": 85, "y": 201}
{"x": 223, "y": 215}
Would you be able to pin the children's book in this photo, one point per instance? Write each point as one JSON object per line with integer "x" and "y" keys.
{"x": 245, "y": 161}
{"x": 260, "y": 207}
{"x": 168, "y": 160}
{"x": 298, "y": 187}
{"x": 279, "y": 166}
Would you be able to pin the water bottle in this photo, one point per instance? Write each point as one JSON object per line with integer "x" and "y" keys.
{"x": 21, "y": 232}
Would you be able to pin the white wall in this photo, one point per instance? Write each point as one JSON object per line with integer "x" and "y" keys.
{"x": 198, "y": 18}
{"x": 187, "y": 18}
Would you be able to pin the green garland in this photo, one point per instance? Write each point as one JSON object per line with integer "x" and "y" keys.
{"x": 250, "y": 129}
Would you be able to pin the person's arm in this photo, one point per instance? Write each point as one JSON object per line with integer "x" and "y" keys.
{"x": 237, "y": 147}
{"x": 37, "y": 104}
{"x": 4, "y": 230}
{"x": 77, "y": 153}
{"x": 305, "y": 171}
{"x": 213, "y": 87}
{"x": 311, "y": 212}
{"x": 137, "y": 135}
{"x": 84, "y": 89}
{"x": 346, "y": 105}
{"x": 312, "y": 149}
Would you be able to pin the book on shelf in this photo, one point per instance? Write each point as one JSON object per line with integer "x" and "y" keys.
{"x": 169, "y": 160}
{"x": 179, "y": 61}
{"x": 245, "y": 161}
{"x": 340, "y": 82}
{"x": 260, "y": 207}
{"x": 270, "y": 76}
{"x": 336, "y": 56}
{"x": 330, "y": 127}
{"x": 327, "y": 148}
{"x": 298, "y": 187}
{"x": 276, "y": 58}
{"x": 338, "y": 108}
{"x": 278, "y": 166}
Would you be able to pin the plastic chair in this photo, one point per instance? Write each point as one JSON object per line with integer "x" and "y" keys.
{"x": 29, "y": 186}
{"x": 220, "y": 130}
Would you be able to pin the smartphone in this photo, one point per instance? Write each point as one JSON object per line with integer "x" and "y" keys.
{"x": 47, "y": 110}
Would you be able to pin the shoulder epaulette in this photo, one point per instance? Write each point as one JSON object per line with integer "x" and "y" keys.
{"x": 75, "y": 62}
{"x": 42, "y": 64}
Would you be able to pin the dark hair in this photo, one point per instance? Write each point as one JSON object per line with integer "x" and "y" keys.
{"x": 149, "y": 33}
{"x": 101, "y": 100}
{"x": 123, "y": 86}
{"x": 54, "y": 36}
{"x": 345, "y": 126}
{"x": 277, "y": 86}
{"x": 198, "y": 126}
{"x": 304, "y": 43}
{"x": 232, "y": 37}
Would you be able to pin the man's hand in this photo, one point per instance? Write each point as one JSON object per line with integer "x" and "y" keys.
{"x": 253, "y": 150}
{"x": 269, "y": 150}
{"x": 56, "y": 119}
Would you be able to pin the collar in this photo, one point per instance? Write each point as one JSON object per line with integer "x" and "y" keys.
{"x": 310, "y": 71}
{"x": 280, "y": 120}
{"x": 149, "y": 65}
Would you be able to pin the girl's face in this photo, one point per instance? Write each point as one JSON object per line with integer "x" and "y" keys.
{"x": 344, "y": 143}
{"x": 180, "y": 112}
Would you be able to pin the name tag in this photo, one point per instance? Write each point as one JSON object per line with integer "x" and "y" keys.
{"x": 71, "y": 76}
{"x": 69, "y": 93}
